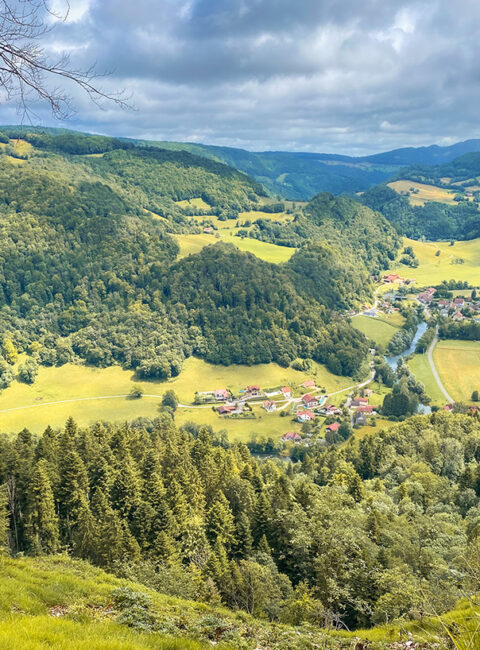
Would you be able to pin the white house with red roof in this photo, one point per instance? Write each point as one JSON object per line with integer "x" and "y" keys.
{"x": 221, "y": 394}
{"x": 305, "y": 416}
{"x": 287, "y": 392}
{"x": 269, "y": 406}
{"x": 309, "y": 383}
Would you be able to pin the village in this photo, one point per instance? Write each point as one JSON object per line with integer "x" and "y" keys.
{"x": 307, "y": 405}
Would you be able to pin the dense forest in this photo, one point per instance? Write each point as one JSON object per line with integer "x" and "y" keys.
{"x": 434, "y": 220}
{"x": 367, "y": 532}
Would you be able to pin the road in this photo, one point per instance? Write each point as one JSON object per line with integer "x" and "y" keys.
{"x": 448, "y": 397}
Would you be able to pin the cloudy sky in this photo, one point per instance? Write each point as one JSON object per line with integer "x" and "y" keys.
{"x": 348, "y": 76}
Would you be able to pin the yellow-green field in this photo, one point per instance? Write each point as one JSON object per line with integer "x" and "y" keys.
{"x": 191, "y": 244}
{"x": 458, "y": 364}
{"x": 194, "y": 203}
{"x": 433, "y": 269}
{"x": 420, "y": 367}
{"x": 32, "y": 408}
{"x": 425, "y": 192}
{"x": 379, "y": 329}
{"x": 253, "y": 215}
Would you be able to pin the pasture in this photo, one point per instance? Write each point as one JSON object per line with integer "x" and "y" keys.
{"x": 423, "y": 192}
{"x": 433, "y": 269}
{"x": 458, "y": 364}
{"x": 78, "y": 387}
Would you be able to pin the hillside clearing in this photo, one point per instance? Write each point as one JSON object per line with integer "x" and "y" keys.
{"x": 191, "y": 244}
{"x": 433, "y": 269}
{"x": 423, "y": 192}
{"x": 458, "y": 364}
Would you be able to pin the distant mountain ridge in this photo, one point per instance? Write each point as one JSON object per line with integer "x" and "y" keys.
{"x": 301, "y": 175}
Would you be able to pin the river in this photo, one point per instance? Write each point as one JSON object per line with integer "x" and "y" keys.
{"x": 393, "y": 360}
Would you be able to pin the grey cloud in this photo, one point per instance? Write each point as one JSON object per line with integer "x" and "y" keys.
{"x": 321, "y": 75}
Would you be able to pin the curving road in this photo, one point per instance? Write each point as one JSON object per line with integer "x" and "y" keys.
{"x": 448, "y": 397}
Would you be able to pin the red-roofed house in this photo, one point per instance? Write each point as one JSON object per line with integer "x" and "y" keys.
{"x": 367, "y": 408}
{"x": 291, "y": 436}
{"x": 457, "y": 316}
{"x": 226, "y": 409}
{"x": 333, "y": 427}
{"x": 309, "y": 383}
{"x": 359, "y": 401}
{"x": 221, "y": 394}
{"x": 459, "y": 302}
{"x": 305, "y": 416}
{"x": 269, "y": 406}
{"x": 310, "y": 401}
{"x": 287, "y": 392}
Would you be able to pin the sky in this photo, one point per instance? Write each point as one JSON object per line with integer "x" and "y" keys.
{"x": 342, "y": 76}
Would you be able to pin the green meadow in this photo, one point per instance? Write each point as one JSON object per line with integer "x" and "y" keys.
{"x": 420, "y": 367}
{"x": 380, "y": 329}
{"x": 458, "y": 364}
{"x": 433, "y": 268}
{"x": 79, "y": 387}
{"x": 191, "y": 244}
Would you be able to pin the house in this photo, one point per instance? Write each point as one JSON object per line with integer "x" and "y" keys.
{"x": 457, "y": 316}
{"x": 360, "y": 419}
{"x": 208, "y": 230}
{"x": 393, "y": 277}
{"x": 270, "y": 407}
{"x": 305, "y": 416}
{"x": 226, "y": 409}
{"x": 444, "y": 304}
{"x": 330, "y": 409}
{"x": 367, "y": 392}
{"x": 425, "y": 297}
{"x": 334, "y": 427}
{"x": 458, "y": 303}
{"x": 253, "y": 390}
{"x": 368, "y": 408}
{"x": 309, "y": 401}
{"x": 448, "y": 408}
{"x": 221, "y": 394}
{"x": 291, "y": 436}
{"x": 287, "y": 392}
{"x": 309, "y": 383}
{"x": 359, "y": 401}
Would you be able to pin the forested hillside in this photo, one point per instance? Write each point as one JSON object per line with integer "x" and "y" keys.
{"x": 377, "y": 529}
{"x": 434, "y": 220}
{"x": 89, "y": 270}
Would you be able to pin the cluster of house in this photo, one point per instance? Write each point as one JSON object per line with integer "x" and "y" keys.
{"x": 362, "y": 409}
{"x": 453, "y": 309}
{"x": 294, "y": 436}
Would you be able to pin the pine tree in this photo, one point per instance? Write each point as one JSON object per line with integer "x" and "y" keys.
{"x": 243, "y": 537}
{"x": 85, "y": 536}
{"x": 262, "y": 517}
{"x": 42, "y": 522}
{"x": 219, "y": 521}
{"x": 4, "y": 521}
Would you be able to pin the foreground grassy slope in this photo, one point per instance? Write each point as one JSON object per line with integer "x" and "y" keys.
{"x": 56, "y": 602}
{"x": 433, "y": 269}
{"x": 458, "y": 364}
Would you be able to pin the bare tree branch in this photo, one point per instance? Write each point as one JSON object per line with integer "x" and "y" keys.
{"x": 27, "y": 72}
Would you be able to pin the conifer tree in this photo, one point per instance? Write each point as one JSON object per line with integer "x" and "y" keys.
{"x": 85, "y": 536}
{"x": 243, "y": 537}
{"x": 220, "y": 524}
{"x": 4, "y": 521}
{"x": 42, "y": 522}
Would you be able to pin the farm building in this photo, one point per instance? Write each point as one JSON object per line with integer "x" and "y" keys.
{"x": 292, "y": 436}
{"x": 287, "y": 392}
{"x": 309, "y": 401}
